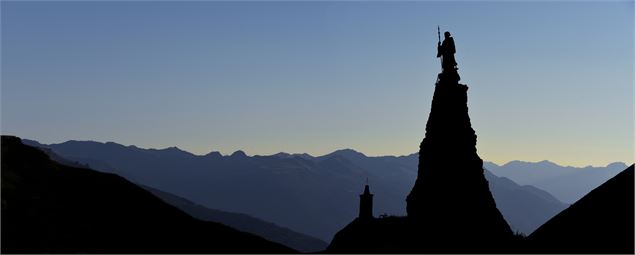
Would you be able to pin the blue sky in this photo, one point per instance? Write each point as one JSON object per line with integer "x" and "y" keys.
{"x": 548, "y": 80}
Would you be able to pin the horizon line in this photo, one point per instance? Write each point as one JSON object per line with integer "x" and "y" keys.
{"x": 305, "y": 153}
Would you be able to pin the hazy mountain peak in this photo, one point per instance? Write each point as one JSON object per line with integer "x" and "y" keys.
{"x": 238, "y": 153}
{"x": 551, "y": 164}
{"x": 177, "y": 149}
{"x": 286, "y": 155}
{"x": 416, "y": 154}
{"x": 303, "y": 155}
{"x": 348, "y": 153}
{"x": 282, "y": 155}
{"x": 32, "y": 142}
{"x": 515, "y": 162}
{"x": 618, "y": 165}
{"x": 545, "y": 163}
{"x": 172, "y": 148}
{"x": 72, "y": 142}
{"x": 489, "y": 165}
{"x": 213, "y": 154}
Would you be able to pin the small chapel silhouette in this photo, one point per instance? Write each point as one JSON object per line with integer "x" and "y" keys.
{"x": 366, "y": 204}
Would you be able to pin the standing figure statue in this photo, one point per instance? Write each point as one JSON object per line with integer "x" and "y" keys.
{"x": 446, "y": 52}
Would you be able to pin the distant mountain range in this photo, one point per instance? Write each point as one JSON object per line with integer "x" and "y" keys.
{"x": 48, "y": 207}
{"x": 312, "y": 195}
{"x": 566, "y": 183}
{"x": 524, "y": 207}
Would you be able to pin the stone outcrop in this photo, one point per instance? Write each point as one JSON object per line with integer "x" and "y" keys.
{"x": 450, "y": 201}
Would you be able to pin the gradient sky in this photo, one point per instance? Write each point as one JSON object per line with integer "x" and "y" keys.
{"x": 548, "y": 80}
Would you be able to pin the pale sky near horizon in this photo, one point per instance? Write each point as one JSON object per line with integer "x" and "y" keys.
{"x": 548, "y": 80}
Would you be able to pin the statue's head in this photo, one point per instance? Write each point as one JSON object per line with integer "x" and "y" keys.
{"x": 447, "y": 34}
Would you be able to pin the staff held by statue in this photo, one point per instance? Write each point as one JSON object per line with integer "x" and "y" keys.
{"x": 439, "y": 55}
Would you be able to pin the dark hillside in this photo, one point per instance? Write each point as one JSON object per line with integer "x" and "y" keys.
{"x": 52, "y": 208}
{"x": 600, "y": 222}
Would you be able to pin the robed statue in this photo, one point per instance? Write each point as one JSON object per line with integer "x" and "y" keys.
{"x": 446, "y": 51}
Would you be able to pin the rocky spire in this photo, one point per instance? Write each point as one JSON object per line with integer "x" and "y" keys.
{"x": 451, "y": 197}
{"x": 450, "y": 208}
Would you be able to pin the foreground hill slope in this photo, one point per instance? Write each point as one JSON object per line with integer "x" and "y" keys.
{"x": 52, "y": 208}
{"x": 243, "y": 222}
{"x": 600, "y": 222}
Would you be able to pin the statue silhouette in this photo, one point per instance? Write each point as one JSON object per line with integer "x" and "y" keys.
{"x": 446, "y": 52}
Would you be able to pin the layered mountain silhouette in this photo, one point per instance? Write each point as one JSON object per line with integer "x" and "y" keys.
{"x": 288, "y": 191}
{"x": 566, "y": 183}
{"x": 245, "y": 223}
{"x": 600, "y": 222}
{"x": 48, "y": 207}
{"x": 239, "y": 221}
{"x": 524, "y": 207}
{"x": 343, "y": 171}
{"x": 603, "y": 227}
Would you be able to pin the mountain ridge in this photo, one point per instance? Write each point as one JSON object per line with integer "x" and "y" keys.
{"x": 304, "y": 154}
{"x": 557, "y": 179}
